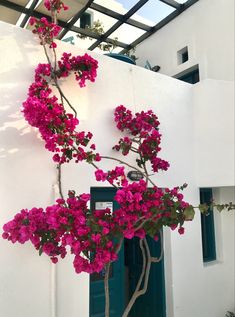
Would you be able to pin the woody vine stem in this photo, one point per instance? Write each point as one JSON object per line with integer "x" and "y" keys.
{"x": 143, "y": 244}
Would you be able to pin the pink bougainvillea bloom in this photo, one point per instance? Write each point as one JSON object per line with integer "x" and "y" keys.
{"x": 100, "y": 175}
{"x": 181, "y": 230}
{"x": 54, "y": 260}
{"x": 173, "y": 226}
{"x": 156, "y": 238}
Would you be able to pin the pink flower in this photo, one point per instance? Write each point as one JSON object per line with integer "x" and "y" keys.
{"x": 100, "y": 175}
{"x": 53, "y": 45}
{"x": 97, "y": 157}
{"x": 156, "y": 238}
{"x": 129, "y": 233}
{"x": 181, "y": 230}
{"x": 96, "y": 238}
{"x": 32, "y": 20}
{"x": 173, "y": 226}
{"x": 54, "y": 260}
{"x": 140, "y": 234}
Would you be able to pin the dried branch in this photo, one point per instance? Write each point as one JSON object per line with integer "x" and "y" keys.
{"x": 59, "y": 180}
{"x": 106, "y": 289}
{"x": 131, "y": 166}
{"x": 136, "y": 292}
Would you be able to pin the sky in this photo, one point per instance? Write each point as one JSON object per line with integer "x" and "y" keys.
{"x": 153, "y": 10}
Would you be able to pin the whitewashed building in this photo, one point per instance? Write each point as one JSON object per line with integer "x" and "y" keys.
{"x": 197, "y": 124}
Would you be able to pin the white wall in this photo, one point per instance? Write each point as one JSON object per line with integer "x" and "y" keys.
{"x": 214, "y": 135}
{"x": 207, "y": 28}
{"x": 206, "y": 289}
{"x": 27, "y": 177}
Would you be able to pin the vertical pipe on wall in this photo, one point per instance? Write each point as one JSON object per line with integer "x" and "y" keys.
{"x": 53, "y": 298}
{"x": 53, "y": 290}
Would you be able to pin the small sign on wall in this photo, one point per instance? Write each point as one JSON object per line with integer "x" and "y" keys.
{"x": 101, "y": 205}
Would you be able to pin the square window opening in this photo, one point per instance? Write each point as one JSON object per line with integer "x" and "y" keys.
{"x": 183, "y": 55}
{"x": 85, "y": 20}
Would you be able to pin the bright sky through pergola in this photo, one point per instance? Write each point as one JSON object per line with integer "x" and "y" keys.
{"x": 153, "y": 10}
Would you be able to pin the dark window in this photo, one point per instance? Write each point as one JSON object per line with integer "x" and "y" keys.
{"x": 183, "y": 55}
{"x": 207, "y": 225}
{"x": 192, "y": 77}
{"x": 85, "y": 20}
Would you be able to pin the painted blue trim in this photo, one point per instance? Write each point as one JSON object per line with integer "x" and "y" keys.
{"x": 121, "y": 57}
{"x": 207, "y": 227}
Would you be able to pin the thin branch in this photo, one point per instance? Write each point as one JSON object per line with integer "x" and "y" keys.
{"x": 59, "y": 180}
{"x": 147, "y": 271}
{"x": 131, "y": 166}
{"x": 119, "y": 245}
{"x": 47, "y": 56}
{"x": 63, "y": 96}
{"x": 54, "y": 15}
{"x": 146, "y": 173}
{"x": 106, "y": 288}
{"x": 96, "y": 167}
{"x": 54, "y": 78}
{"x": 55, "y": 60}
{"x": 144, "y": 222}
{"x": 135, "y": 294}
{"x": 133, "y": 149}
{"x": 148, "y": 267}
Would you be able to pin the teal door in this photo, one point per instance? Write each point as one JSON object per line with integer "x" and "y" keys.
{"x": 102, "y": 198}
{"x": 125, "y": 273}
{"x": 152, "y": 303}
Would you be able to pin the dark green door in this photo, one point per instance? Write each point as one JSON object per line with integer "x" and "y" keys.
{"x": 100, "y": 199}
{"x": 152, "y": 303}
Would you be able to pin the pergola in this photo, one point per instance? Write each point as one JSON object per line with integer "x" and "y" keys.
{"x": 11, "y": 11}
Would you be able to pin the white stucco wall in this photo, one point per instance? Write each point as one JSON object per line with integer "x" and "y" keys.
{"x": 207, "y": 28}
{"x": 28, "y": 284}
{"x": 214, "y": 134}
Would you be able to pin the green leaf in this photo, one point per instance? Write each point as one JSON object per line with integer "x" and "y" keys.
{"x": 86, "y": 141}
{"x": 174, "y": 214}
{"x": 189, "y": 213}
{"x": 25, "y": 222}
{"x": 69, "y": 153}
{"x": 40, "y": 251}
{"x": 204, "y": 208}
{"x": 219, "y": 207}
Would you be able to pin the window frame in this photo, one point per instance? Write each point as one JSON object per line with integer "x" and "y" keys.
{"x": 86, "y": 14}
{"x": 208, "y": 228}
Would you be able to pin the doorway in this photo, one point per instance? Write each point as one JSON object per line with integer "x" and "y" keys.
{"x": 125, "y": 272}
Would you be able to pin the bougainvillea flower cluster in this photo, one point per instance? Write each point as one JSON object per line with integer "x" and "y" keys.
{"x": 142, "y": 210}
{"x": 84, "y": 67}
{"x": 144, "y": 138}
{"x": 45, "y": 30}
{"x": 55, "y": 5}
{"x": 90, "y": 235}
{"x": 67, "y": 224}
{"x": 57, "y": 127}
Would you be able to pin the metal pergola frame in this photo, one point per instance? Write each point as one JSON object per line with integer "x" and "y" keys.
{"x": 121, "y": 19}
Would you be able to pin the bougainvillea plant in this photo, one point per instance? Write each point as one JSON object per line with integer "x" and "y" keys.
{"x": 94, "y": 237}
